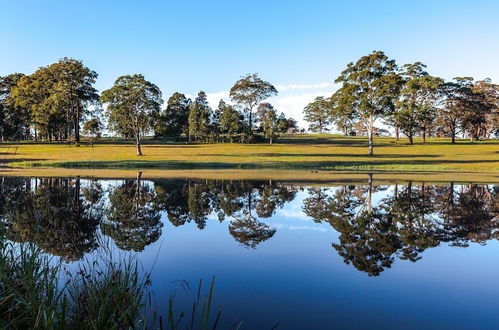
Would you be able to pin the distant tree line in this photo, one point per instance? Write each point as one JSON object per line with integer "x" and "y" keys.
{"x": 58, "y": 101}
{"x": 408, "y": 99}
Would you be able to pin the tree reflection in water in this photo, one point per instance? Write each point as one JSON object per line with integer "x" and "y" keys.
{"x": 376, "y": 224}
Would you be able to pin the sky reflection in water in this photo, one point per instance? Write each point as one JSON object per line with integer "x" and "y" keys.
{"x": 410, "y": 255}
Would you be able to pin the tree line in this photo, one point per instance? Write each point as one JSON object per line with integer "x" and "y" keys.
{"x": 59, "y": 101}
{"x": 408, "y": 99}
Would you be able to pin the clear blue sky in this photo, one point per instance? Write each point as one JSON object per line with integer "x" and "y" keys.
{"x": 300, "y": 46}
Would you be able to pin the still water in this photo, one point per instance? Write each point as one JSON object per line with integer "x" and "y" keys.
{"x": 301, "y": 255}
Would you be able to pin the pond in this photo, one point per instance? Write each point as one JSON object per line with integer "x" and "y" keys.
{"x": 297, "y": 255}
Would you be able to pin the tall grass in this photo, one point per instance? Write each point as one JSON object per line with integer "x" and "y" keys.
{"x": 103, "y": 294}
{"x": 30, "y": 296}
{"x": 108, "y": 292}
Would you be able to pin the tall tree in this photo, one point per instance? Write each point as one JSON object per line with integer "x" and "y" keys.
{"x": 199, "y": 118}
{"x": 231, "y": 121}
{"x": 373, "y": 84}
{"x": 73, "y": 90}
{"x": 490, "y": 93}
{"x": 457, "y": 95}
{"x": 13, "y": 119}
{"x": 133, "y": 105}
{"x": 318, "y": 114}
{"x": 416, "y": 107}
{"x": 342, "y": 114}
{"x": 174, "y": 121}
{"x": 58, "y": 97}
{"x": 482, "y": 102}
{"x": 249, "y": 91}
{"x": 268, "y": 118}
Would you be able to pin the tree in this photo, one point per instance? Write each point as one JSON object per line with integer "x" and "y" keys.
{"x": 58, "y": 97}
{"x": 456, "y": 103}
{"x": 482, "y": 102}
{"x": 341, "y": 113}
{"x": 13, "y": 119}
{"x": 93, "y": 129}
{"x": 286, "y": 125}
{"x": 249, "y": 91}
{"x": 318, "y": 114}
{"x": 199, "y": 118}
{"x": 174, "y": 121}
{"x": 373, "y": 85}
{"x": 132, "y": 219}
{"x": 231, "y": 121}
{"x": 133, "y": 106}
{"x": 490, "y": 93}
{"x": 73, "y": 91}
{"x": 268, "y": 118}
{"x": 416, "y": 107}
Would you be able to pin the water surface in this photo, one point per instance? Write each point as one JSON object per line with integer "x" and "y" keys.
{"x": 304, "y": 255}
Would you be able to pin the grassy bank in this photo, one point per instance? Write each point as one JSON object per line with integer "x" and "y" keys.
{"x": 310, "y": 152}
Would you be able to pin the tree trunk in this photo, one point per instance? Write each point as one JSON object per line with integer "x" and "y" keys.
{"x": 411, "y": 141}
{"x": 270, "y": 141}
{"x": 369, "y": 193}
{"x": 137, "y": 142}
{"x": 424, "y": 136}
{"x": 251, "y": 121}
{"x": 371, "y": 139}
{"x": 397, "y": 136}
{"x": 453, "y": 137}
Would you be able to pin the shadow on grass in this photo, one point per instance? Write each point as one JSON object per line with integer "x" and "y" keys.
{"x": 144, "y": 164}
{"x": 320, "y": 155}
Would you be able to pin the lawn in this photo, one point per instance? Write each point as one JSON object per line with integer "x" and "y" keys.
{"x": 310, "y": 152}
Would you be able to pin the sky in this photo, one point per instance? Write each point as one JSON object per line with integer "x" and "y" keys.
{"x": 299, "y": 46}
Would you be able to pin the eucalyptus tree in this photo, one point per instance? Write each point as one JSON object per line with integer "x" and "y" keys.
{"x": 249, "y": 91}
{"x": 372, "y": 85}
{"x": 416, "y": 107}
{"x": 341, "y": 112}
{"x": 231, "y": 121}
{"x": 93, "y": 129}
{"x": 58, "y": 96}
{"x": 268, "y": 118}
{"x": 490, "y": 92}
{"x": 457, "y": 95}
{"x": 73, "y": 90}
{"x": 174, "y": 121}
{"x": 133, "y": 105}
{"x": 199, "y": 118}
{"x": 13, "y": 119}
{"x": 482, "y": 113}
{"x": 318, "y": 114}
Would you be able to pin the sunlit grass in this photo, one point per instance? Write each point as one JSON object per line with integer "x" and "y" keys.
{"x": 300, "y": 152}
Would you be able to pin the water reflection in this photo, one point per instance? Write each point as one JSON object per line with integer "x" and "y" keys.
{"x": 376, "y": 224}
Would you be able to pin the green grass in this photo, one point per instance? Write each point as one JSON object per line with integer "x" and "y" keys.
{"x": 324, "y": 152}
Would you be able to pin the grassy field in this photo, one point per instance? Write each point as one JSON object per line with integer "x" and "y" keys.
{"x": 305, "y": 152}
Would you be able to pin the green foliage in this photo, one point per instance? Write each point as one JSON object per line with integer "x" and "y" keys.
{"x": 199, "y": 118}
{"x": 133, "y": 106}
{"x": 231, "y": 121}
{"x": 174, "y": 120}
{"x": 93, "y": 129}
{"x": 268, "y": 119}
{"x": 419, "y": 97}
{"x": 14, "y": 120}
{"x": 318, "y": 114}
{"x": 249, "y": 91}
{"x": 58, "y": 97}
{"x": 369, "y": 89}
